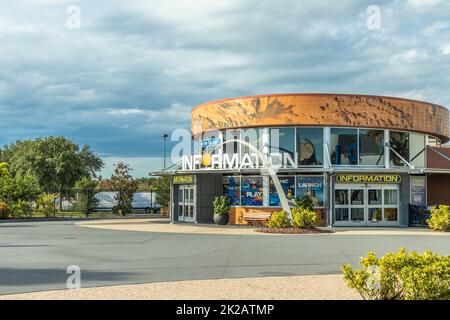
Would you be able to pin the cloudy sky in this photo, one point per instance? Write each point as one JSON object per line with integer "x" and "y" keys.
{"x": 134, "y": 69}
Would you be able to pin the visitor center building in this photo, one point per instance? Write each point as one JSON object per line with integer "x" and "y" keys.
{"x": 363, "y": 160}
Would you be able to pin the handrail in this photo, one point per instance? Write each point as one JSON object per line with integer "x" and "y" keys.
{"x": 328, "y": 155}
{"x": 401, "y": 158}
{"x": 441, "y": 154}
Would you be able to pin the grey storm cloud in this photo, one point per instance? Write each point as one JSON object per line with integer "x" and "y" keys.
{"x": 134, "y": 69}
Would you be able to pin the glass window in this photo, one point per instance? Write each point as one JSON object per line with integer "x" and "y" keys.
{"x": 282, "y": 140}
{"x": 344, "y": 146}
{"x": 390, "y": 197}
{"x": 231, "y": 189}
{"x": 251, "y": 136}
{"x": 252, "y": 191}
{"x": 371, "y": 147}
{"x": 288, "y": 185}
{"x": 191, "y": 195}
{"x": 357, "y": 214}
{"x": 341, "y": 214}
{"x": 341, "y": 197}
{"x": 210, "y": 142}
{"x": 434, "y": 142}
{"x": 312, "y": 186}
{"x": 310, "y": 146}
{"x": 390, "y": 214}
{"x": 357, "y": 197}
{"x": 231, "y": 147}
{"x": 417, "y": 149}
{"x": 399, "y": 141}
{"x": 375, "y": 214}
{"x": 248, "y": 155}
{"x": 374, "y": 196}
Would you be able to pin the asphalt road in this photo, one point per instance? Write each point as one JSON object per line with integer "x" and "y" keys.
{"x": 34, "y": 256}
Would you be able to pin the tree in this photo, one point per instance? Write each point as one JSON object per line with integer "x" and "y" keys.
{"x": 122, "y": 182}
{"x": 86, "y": 201}
{"x": 162, "y": 187}
{"x": 56, "y": 162}
{"x": 146, "y": 184}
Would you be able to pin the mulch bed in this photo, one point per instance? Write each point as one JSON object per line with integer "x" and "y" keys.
{"x": 292, "y": 230}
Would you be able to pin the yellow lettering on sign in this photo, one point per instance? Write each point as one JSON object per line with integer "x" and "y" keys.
{"x": 183, "y": 179}
{"x": 342, "y": 178}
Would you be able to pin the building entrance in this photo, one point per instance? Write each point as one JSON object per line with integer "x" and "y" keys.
{"x": 186, "y": 203}
{"x": 366, "y": 205}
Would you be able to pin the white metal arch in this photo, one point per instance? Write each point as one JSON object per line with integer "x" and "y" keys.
{"x": 270, "y": 169}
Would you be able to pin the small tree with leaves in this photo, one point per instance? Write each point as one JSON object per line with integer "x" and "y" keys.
{"x": 162, "y": 188}
{"x": 122, "y": 182}
{"x": 86, "y": 201}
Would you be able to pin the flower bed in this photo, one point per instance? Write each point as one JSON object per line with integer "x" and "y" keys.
{"x": 292, "y": 230}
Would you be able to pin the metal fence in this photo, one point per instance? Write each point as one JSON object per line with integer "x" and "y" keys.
{"x": 142, "y": 201}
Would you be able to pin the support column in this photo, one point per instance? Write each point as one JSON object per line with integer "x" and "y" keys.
{"x": 387, "y": 151}
{"x": 326, "y": 147}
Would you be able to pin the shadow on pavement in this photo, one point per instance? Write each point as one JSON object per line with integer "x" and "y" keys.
{"x": 30, "y": 277}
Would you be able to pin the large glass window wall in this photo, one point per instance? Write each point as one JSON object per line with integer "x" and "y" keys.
{"x": 348, "y": 146}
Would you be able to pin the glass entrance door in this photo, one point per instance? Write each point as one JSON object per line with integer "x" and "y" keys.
{"x": 186, "y": 203}
{"x": 375, "y": 205}
{"x": 366, "y": 205}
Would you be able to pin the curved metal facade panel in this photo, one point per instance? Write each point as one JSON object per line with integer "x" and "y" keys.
{"x": 323, "y": 110}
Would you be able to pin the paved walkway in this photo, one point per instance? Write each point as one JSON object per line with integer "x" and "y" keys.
{"x": 325, "y": 287}
{"x": 163, "y": 225}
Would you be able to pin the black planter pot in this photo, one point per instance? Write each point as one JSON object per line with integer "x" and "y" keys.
{"x": 221, "y": 220}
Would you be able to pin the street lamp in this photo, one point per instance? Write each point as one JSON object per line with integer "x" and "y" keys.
{"x": 165, "y": 136}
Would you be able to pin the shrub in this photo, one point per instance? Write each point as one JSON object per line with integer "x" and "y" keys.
{"x": 440, "y": 218}
{"x": 303, "y": 218}
{"x": 21, "y": 208}
{"x": 86, "y": 201}
{"x": 46, "y": 204}
{"x": 402, "y": 275}
{"x": 4, "y": 209}
{"x": 17, "y": 188}
{"x": 278, "y": 220}
{"x": 221, "y": 205}
{"x": 305, "y": 203}
{"x": 124, "y": 206}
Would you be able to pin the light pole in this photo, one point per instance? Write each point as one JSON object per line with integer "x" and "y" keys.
{"x": 165, "y": 136}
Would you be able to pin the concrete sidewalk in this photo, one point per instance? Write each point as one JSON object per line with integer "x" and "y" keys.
{"x": 318, "y": 287}
{"x": 164, "y": 226}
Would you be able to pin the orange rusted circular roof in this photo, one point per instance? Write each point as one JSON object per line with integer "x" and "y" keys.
{"x": 322, "y": 109}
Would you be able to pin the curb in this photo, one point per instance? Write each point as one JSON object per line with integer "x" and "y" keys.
{"x": 144, "y": 216}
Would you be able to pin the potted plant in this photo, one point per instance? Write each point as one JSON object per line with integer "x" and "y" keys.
{"x": 221, "y": 209}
